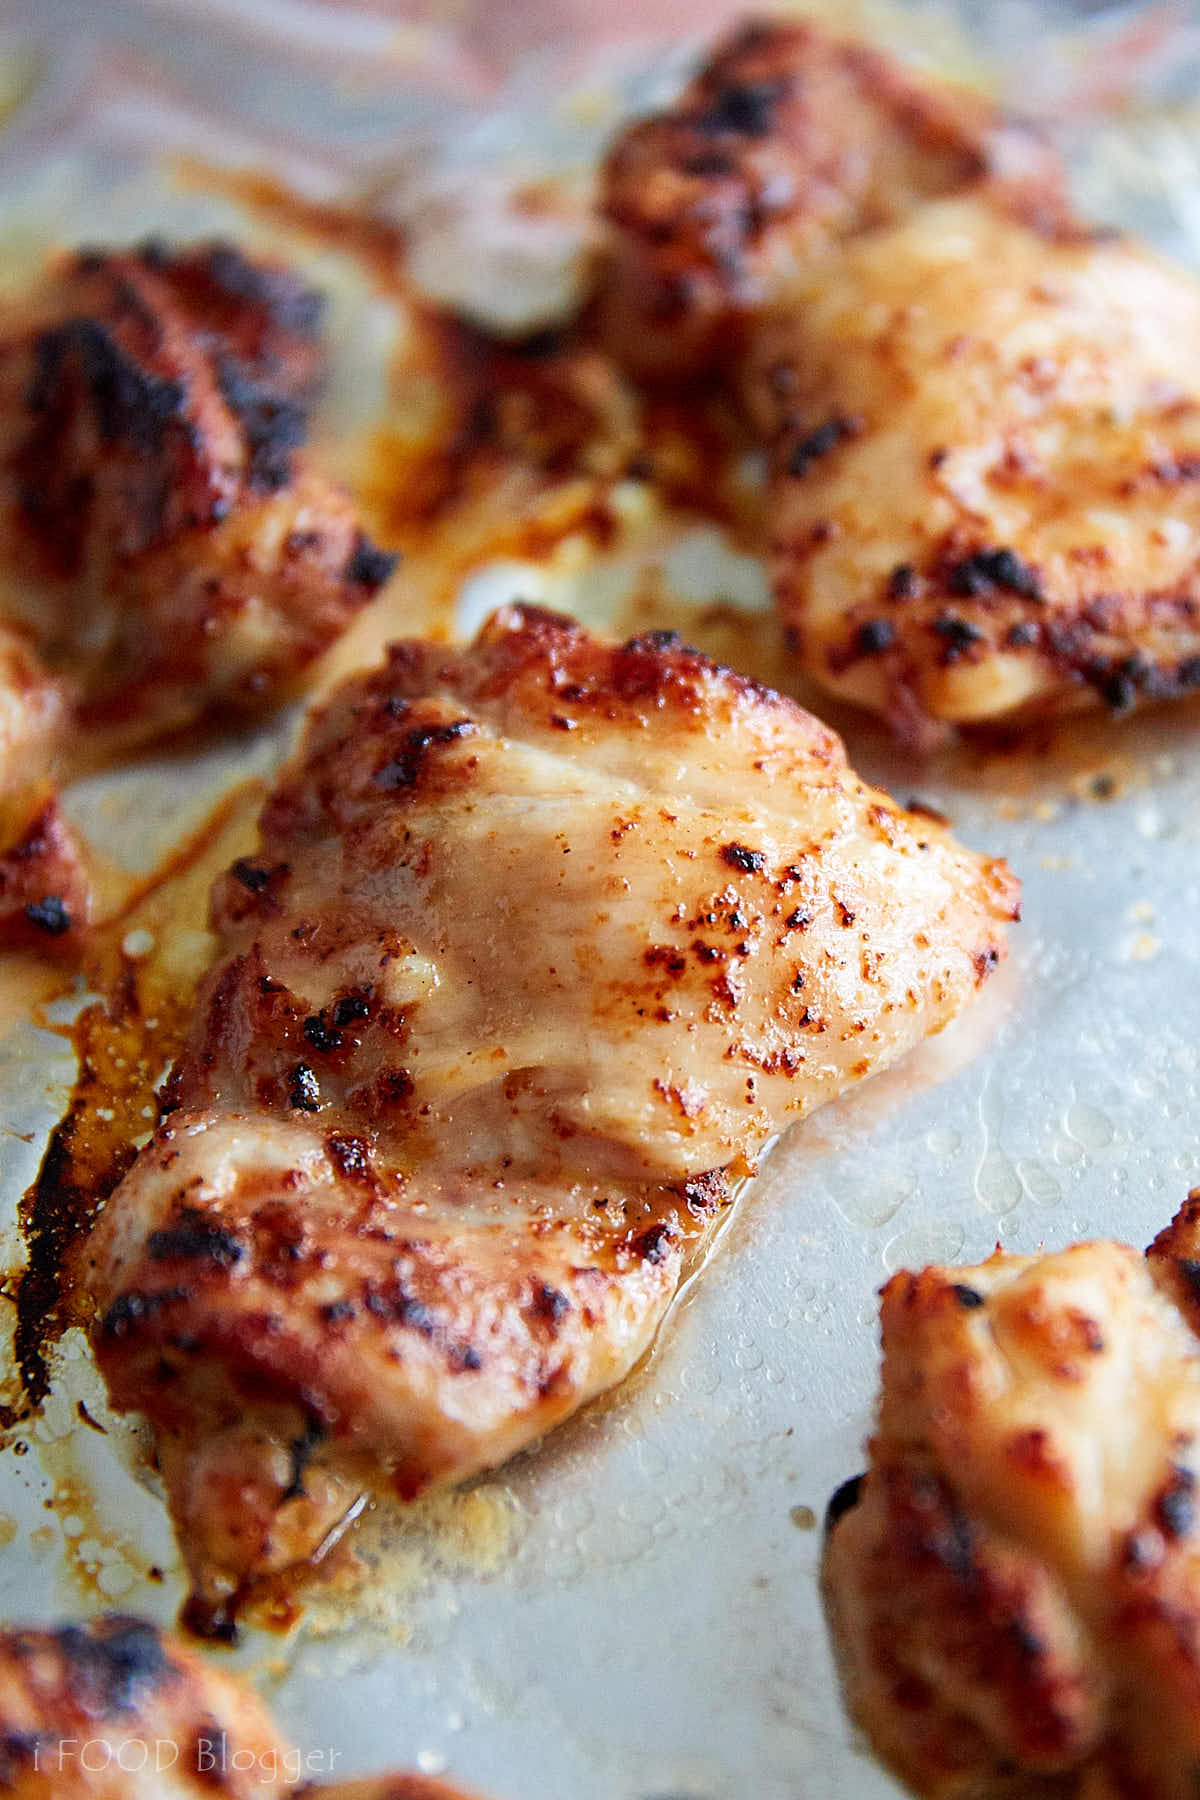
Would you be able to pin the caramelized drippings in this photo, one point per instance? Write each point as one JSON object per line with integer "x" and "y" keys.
{"x": 125, "y": 1039}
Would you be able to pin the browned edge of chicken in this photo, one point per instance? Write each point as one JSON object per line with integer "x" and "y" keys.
{"x": 1013, "y": 1587}
{"x": 787, "y": 142}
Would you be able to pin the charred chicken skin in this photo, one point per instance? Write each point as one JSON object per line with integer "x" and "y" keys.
{"x": 786, "y": 144}
{"x": 117, "y": 1710}
{"x": 543, "y": 939}
{"x": 982, "y": 415}
{"x": 170, "y": 547}
{"x": 1013, "y": 1588}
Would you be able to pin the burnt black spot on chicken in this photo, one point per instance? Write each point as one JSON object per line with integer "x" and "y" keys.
{"x": 746, "y": 108}
{"x": 654, "y": 1246}
{"x": 322, "y": 1035}
{"x": 290, "y": 304}
{"x": 352, "y": 1008}
{"x": 953, "y": 1542}
{"x": 903, "y": 582}
{"x": 549, "y": 1303}
{"x": 986, "y": 570}
{"x": 195, "y": 1238}
{"x": 404, "y": 769}
{"x": 112, "y": 1668}
{"x": 958, "y": 635}
{"x": 986, "y": 962}
{"x": 301, "y": 1450}
{"x": 819, "y": 443}
{"x": 843, "y": 1500}
{"x": 132, "y": 405}
{"x": 1189, "y": 1269}
{"x": 256, "y": 877}
{"x": 369, "y": 566}
{"x": 129, "y": 1312}
{"x": 304, "y": 1090}
{"x": 1175, "y": 1506}
{"x": 50, "y": 914}
{"x": 274, "y": 425}
{"x": 875, "y": 636}
{"x": 750, "y": 862}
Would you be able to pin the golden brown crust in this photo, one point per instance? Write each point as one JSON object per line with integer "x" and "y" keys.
{"x": 169, "y": 546}
{"x": 540, "y": 933}
{"x": 787, "y": 142}
{"x": 1014, "y": 1588}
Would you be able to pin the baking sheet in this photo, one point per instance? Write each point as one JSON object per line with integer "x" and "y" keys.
{"x": 629, "y": 1612}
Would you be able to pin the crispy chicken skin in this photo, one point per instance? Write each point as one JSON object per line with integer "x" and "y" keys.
{"x": 787, "y": 143}
{"x": 117, "y": 1710}
{"x": 1013, "y": 1588}
{"x": 168, "y": 545}
{"x": 543, "y": 939}
{"x": 982, "y": 415}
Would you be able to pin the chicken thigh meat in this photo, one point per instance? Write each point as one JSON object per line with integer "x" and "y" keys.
{"x": 981, "y": 413}
{"x": 1013, "y": 1588}
{"x": 544, "y": 938}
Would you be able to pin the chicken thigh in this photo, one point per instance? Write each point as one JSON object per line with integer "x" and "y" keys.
{"x": 1013, "y": 1588}
{"x": 169, "y": 547}
{"x": 543, "y": 940}
{"x": 982, "y": 415}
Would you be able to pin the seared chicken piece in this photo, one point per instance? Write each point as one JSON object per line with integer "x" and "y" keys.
{"x": 168, "y": 547}
{"x": 543, "y": 939}
{"x": 985, "y": 496}
{"x": 45, "y": 887}
{"x": 984, "y": 418}
{"x": 116, "y": 1710}
{"x": 1013, "y": 1589}
{"x": 787, "y": 143}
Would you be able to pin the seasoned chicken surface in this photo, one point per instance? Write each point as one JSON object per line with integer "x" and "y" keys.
{"x": 985, "y": 496}
{"x": 982, "y": 416}
{"x": 116, "y": 1710}
{"x": 168, "y": 545}
{"x": 1013, "y": 1588}
{"x": 542, "y": 941}
{"x": 787, "y": 143}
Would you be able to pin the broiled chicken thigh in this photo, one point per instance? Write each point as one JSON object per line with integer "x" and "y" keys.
{"x": 982, "y": 415}
{"x": 985, "y": 497}
{"x": 116, "y": 1710}
{"x": 168, "y": 546}
{"x": 787, "y": 143}
{"x": 1013, "y": 1589}
{"x": 543, "y": 940}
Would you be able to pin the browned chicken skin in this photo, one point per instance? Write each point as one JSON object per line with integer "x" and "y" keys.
{"x": 786, "y": 144}
{"x": 169, "y": 546}
{"x": 1013, "y": 1588}
{"x": 543, "y": 938}
{"x": 117, "y": 1710}
{"x": 982, "y": 415}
